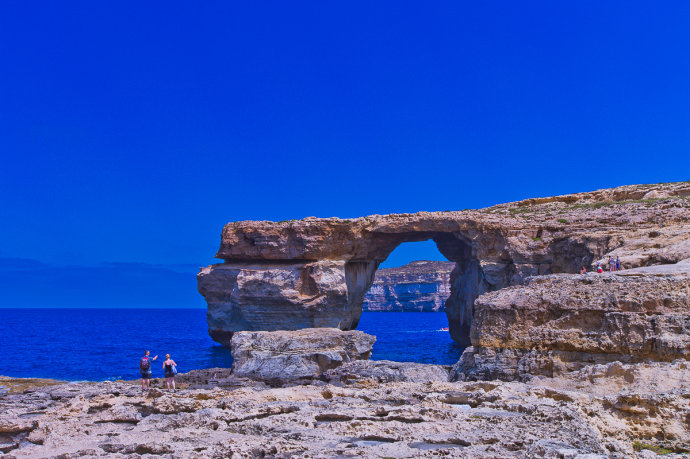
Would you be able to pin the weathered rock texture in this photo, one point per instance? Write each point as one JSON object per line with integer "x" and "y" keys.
{"x": 278, "y": 296}
{"x": 607, "y": 411}
{"x": 293, "y": 355}
{"x": 420, "y": 286}
{"x": 385, "y": 371}
{"x": 560, "y": 323}
{"x": 315, "y": 272}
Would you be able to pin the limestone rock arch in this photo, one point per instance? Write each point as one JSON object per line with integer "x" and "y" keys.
{"x": 314, "y": 272}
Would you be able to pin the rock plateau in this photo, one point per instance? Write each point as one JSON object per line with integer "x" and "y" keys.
{"x": 559, "y": 323}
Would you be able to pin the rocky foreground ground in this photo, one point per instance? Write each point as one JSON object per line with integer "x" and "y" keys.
{"x": 364, "y": 409}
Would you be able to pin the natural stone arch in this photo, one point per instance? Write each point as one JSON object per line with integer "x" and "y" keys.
{"x": 315, "y": 272}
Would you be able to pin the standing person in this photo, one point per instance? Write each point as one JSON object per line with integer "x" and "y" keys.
{"x": 583, "y": 270}
{"x": 145, "y": 370}
{"x": 618, "y": 264}
{"x": 612, "y": 264}
{"x": 170, "y": 371}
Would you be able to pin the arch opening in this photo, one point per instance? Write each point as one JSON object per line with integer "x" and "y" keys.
{"x": 405, "y": 306}
{"x": 466, "y": 281}
{"x": 414, "y": 278}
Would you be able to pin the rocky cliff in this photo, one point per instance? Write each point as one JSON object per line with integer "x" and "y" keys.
{"x": 421, "y": 286}
{"x": 315, "y": 272}
{"x": 560, "y": 323}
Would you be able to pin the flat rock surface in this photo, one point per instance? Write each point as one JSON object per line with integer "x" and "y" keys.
{"x": 607, "y": 412}
{"x": 386, "y": 371}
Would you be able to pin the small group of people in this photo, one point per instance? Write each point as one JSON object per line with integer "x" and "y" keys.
{"x": 614, "y": 265}
{"x": 169, "y": 366}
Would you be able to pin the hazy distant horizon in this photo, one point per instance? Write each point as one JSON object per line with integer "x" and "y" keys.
{"x": 29, "y": 283}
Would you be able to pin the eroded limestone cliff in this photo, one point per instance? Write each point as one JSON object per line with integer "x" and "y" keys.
{"x": 560, "y": 323}
{"x": 315, "y": 272}
{"x": 420, "y": 286}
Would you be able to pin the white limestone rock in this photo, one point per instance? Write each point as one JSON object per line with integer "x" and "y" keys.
{"x": 285, "y": 356}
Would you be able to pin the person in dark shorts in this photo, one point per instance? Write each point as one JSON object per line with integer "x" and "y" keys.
{"x": 145, "y": 370}
{"x": 170, "y": 371}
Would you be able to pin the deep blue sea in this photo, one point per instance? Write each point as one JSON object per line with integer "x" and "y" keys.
{"x": 100, "y": 344}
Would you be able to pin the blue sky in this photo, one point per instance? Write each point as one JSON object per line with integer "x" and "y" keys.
{"x": 131, "y": 132}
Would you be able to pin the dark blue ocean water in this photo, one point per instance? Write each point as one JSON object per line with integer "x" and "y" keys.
{"x": 99, "y": 344}
{"x": 411, "y": 337}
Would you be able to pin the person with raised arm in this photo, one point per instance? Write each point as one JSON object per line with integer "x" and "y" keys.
{"x": 145, "y": 370}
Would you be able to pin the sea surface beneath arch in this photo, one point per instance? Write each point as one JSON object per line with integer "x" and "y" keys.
{"x": 106, "y": 344}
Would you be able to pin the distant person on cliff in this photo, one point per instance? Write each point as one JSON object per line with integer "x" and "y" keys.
{"x": 583, "y": 270}
{"x": 170, "y": 368}
{"x": 145, "y": 370}
{"x": 612, "y": 264}
{"x": 618, "y": 264}
{"x": 599, "y": 268}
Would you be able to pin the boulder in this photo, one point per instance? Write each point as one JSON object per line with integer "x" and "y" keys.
{"x": 291, "y": 356}
{"x": 11, "y": 425}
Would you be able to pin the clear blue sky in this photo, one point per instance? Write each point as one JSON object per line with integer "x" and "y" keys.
{"x": 131, "y": 132}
